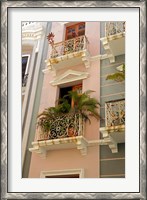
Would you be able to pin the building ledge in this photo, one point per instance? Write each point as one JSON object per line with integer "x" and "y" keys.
{"x": 69, "y": 60}
{"x": 112, "y": 136}
{"x": 114, "y": 45}
{"x": 42, "y": 147}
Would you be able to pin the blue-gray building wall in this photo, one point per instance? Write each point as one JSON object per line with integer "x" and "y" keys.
{"x": 111, "y": 164}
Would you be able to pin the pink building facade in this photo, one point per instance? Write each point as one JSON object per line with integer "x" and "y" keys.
{"x": 77, "y": 155}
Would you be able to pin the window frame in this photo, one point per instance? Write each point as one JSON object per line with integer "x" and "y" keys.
{"x": 27, "y": 66}
{"x": 43, "y": 174}
{"x": 74, "y": 88}
{"x": 76, "y": 25}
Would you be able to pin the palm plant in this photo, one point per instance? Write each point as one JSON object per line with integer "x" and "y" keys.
{"x": 45, "y": 118}
{"x": 83, "y": 104}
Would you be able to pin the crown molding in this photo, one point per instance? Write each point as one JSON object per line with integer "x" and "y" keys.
{"x": 69, "y": 76}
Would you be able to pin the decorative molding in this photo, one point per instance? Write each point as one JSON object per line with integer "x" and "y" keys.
{"x": 43, "y": 174}
{"x": 109, "y": 95}
{"x": 86, "y": 58}
{"x": 112, "y": 37}
{"x": 112, "y": 84}
{"x": 106, "y": 46}
{"x": 112, "y": 175}
{"x": 69, "y": 76}
{"x": 32, "y": 31}
{"x": 112, "y": 65}
{"x": 99, "y": 57}
{"x": 32, "y": 35}
{"x": 78, "y": 142}
{"x": 116, "y": 36}
{"x": 120, "y": 68}
{"x": 42, "y": 147}
{"x": 27, "y": 24}
{"x": 111, "y": 159}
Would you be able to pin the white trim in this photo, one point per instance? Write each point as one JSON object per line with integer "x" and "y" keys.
{"x": 111, "y": 159}
{"x": 106, "y": 44}
{"x": 112, "y": 136}
{"x": 43, "y": 174}
{"x": 77, "y": 75}
{"x": 78, "y": 142}
{"x": 32, "y": 31}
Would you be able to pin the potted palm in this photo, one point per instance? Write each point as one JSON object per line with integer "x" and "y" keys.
{"x": 83, "y": 108}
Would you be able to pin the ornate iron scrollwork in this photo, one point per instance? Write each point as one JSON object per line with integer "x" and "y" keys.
{"x": 115, "y": 113}
{"x": 69, "y": 46}
{"x": 113, "y": 28}
{"x": 64, "y": 126}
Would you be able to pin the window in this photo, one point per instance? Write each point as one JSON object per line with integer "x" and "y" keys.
{"x": 75, "y": 30}
{"x": 25, "y": 61}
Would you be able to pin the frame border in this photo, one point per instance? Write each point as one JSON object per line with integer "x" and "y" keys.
{"x": 4, "y": 98}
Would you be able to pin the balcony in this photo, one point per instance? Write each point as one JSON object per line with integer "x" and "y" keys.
{"x": 69, "y": 53}
{"x": 114, "y": 40}
{"x": 31, "y": 30}
{"x": 114, "y": 131}
{"x": 113, "y": 28}
{"x": 24, "y": 82}
{"x": 65, "y": 132}
{"x": 115, "y": 113}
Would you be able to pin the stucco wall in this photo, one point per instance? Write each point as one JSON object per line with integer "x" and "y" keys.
{"x": 66, "y": 159}
{"x": 71, "y": 158}
{"x": 112, "y": 165}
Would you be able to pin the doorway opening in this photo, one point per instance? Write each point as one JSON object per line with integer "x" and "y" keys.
{"x": 64, "y": 91}
{"x": 64, "y": 176}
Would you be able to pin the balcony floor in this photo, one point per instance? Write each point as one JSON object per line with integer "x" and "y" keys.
{"x": 41, "y": 147}
{"x": 69, "y": 60}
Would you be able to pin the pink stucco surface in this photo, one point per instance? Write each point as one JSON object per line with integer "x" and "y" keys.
{"x": 72, "y": 158}
{"x": 66, "y": 159}
{"x": 92, "y": 32}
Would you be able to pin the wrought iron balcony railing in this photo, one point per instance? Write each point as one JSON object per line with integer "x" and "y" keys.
{"x": 115, "y": 113}
{"x": 62, "y": 127}
{"x": 112, "y": 28}
{"x": 69, "y": 46}
{"x": 24, "y": 80}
